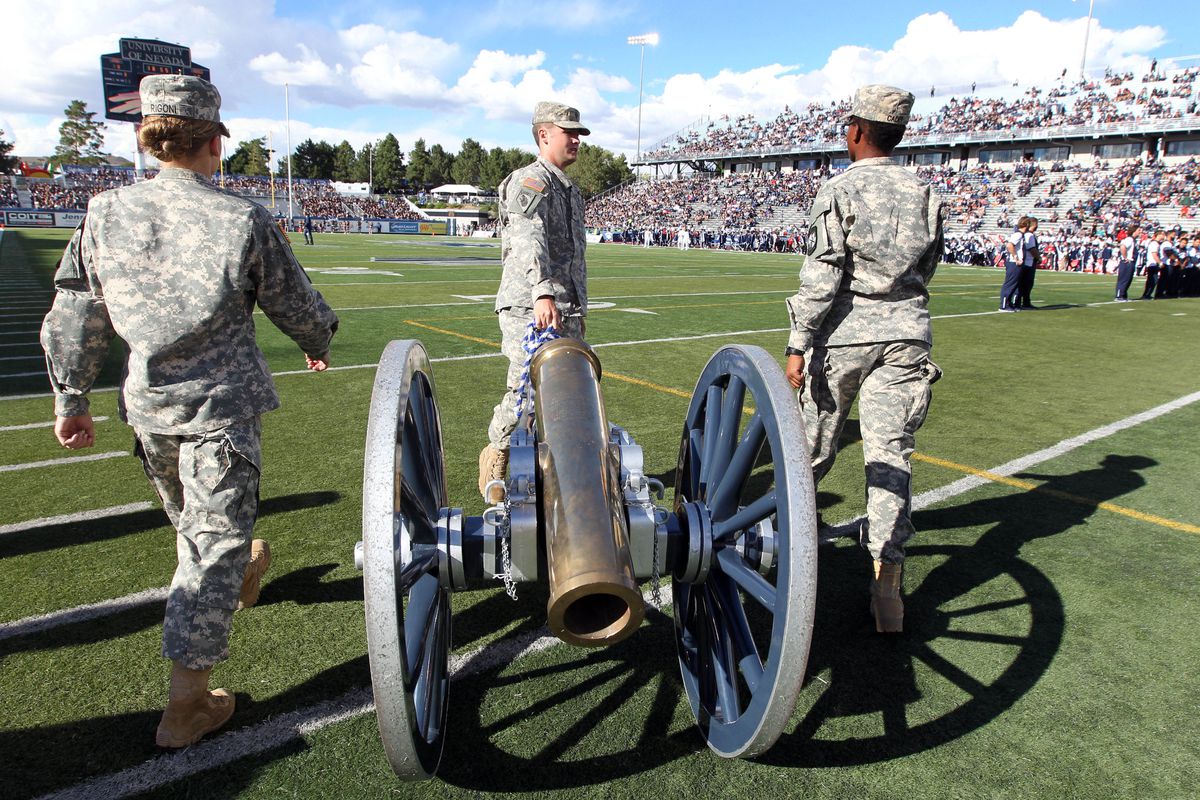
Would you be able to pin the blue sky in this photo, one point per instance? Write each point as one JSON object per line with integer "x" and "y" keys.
{"x": 445, "y": 72}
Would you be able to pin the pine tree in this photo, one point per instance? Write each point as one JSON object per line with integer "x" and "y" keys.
{"x": 468, "y": 164}
{"x": 80, "y": 137}
{"x": 389, "y": 165}
{"x": 345, "y": 163}
{"x": 418, "y": 166}
{"x": 250, "y": 158}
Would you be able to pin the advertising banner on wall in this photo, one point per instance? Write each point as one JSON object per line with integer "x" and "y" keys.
{"x": 38, "y": 218}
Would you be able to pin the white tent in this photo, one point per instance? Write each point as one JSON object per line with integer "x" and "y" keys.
{"x": 456, "y": 188}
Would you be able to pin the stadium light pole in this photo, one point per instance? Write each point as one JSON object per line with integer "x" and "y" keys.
{"x": 287, "y": 114}
{"x": 1086, "y": 31}
{"x": 641, "y": 40}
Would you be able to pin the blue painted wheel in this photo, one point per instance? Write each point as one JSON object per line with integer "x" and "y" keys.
{"x": 745, "y": 592}
{"x": 407, "y": 609}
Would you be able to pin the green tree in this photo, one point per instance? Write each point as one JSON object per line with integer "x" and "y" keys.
{"x": 468, "y": 164}
{"x": 418, "y": 165}
{"x": 250, "y": 158}
{"x": 598, "y": 169}
{"x": 500, "y": 162}
{"x": 8, "y": 164}
{"x": 345, "y": 163}
{"x": 389, "y": 165}
{"x": 80, "y": 137}
{"x": 364, "y": 166}
{"x": 314, "y": 159}
{"x": 441, "y": 165}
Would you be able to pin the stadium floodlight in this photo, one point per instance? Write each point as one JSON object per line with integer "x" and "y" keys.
{"x": 642, "y": 40}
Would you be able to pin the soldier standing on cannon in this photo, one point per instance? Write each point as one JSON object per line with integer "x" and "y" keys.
{"x": 860, "y": 322}
{"x": 545, "y": 275}
{"x": 175, "y": 267}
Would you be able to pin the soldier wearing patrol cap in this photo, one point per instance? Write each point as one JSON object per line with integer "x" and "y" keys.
{"x": 860, "y": 323}
{"x": 545, "y": 276}
{"x": 175, "y": 266}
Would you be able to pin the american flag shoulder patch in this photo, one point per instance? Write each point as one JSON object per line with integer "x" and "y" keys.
{"x": 533, "y": 183}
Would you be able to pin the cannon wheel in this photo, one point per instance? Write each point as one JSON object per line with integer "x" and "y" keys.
{"x": 743, "y": 637}
{"x": 407, "y": 610}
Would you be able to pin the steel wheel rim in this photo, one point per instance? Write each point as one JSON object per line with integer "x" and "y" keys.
{"x": 407, "y": 610}
{"x": 740, "y": 710}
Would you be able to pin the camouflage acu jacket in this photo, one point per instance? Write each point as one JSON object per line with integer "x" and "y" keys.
{"x": 874, "y": 243}
{"x": 543, "y": 239}
{"x": 175, "y": 267}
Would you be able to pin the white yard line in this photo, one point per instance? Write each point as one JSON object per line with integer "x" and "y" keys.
{"x": 474, "y": 356}
{"x": 56, "y": 619}
{"x": 55, "y": 462}
{"x": 46, "y": 424}
{"x": 237, "y": 744}
{"x": 79, "y": 516}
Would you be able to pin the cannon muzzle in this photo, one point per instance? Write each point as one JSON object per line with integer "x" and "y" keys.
{"x": 594, "y": 597}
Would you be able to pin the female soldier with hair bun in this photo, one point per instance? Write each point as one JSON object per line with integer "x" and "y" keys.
{"x": 175, "y": 266}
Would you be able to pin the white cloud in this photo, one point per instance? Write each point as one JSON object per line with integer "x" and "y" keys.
{"x": 308, "y": 70}
{"x": 502, "y": 85}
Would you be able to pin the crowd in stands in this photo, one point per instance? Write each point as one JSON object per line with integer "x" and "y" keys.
{"x": 8, "y": 195}
{"x": 317, "y": 198}
{"x": 742, "y": 206}
{"x": 1086, "y": 102}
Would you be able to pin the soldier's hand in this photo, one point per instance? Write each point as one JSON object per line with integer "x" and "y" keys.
{"x": 316, "y": 364}
{"x": 795, "y": 371}
{"x": 75, "y": 433}
{"x": 546, "y": 315}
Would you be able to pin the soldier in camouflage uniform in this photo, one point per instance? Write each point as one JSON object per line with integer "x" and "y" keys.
{"x": 175, "y": 267}
{"x": 545, "y": 276}
{"x": 860, "y": 323}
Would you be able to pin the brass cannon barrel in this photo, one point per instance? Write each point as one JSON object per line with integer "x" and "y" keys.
{"x": 594, "y": 597}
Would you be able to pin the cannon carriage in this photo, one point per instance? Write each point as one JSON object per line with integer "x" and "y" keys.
{"x": 738, "y": 544}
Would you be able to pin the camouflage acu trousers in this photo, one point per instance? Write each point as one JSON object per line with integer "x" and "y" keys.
{"x": 208, "y": 484}
{"x": 513, "y": 323}
{"x": 892, "y": 382}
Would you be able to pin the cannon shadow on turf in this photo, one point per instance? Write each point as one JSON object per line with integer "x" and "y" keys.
{"x": 980, "y": 592}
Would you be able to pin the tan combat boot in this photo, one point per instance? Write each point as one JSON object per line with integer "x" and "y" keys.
{"x": 886, "y": 605}
{"x": 260, "y": 559}
{"x": 192, "y": 710}
{"x": 493, "y": 466}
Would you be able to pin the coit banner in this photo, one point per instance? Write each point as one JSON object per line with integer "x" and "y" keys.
{"x": 35, "y": 218}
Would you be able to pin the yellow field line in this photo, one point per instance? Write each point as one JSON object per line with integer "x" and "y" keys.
{"x": 1074, "y": 498}
{"x": 614, "y": 375}
{"x": 488, "y": 342}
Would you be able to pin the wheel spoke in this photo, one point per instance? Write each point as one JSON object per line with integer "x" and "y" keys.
{"x": 413, "y": 465}
{"x": 422, "y": 529}
{"x": 427, "y": 688}
{"x": 754, "y": 584}
{"x": 728, "y": 530}
{"x": 738, "y": 627}
{"x": 724, "y": 498}
{"x": 418, "y": 617}
{"x": 695, "y": 447}
{"x": 414, "y": 571}
{"x": 731, "y": 418}
{"x": 721, "y": 659}
{"x": 712, "y": 423}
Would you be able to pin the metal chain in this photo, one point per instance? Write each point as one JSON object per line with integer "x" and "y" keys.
{"x": 510, "y": 586}
{"x": 530, "y": 342}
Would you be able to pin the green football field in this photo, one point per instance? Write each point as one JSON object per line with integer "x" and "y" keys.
{"x": 1049, "y": 646}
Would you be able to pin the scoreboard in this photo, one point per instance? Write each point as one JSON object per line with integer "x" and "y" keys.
{"x": 123, "y": 71}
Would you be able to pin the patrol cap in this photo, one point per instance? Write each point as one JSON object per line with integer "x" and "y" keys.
{"x": 881, "y": 103}
{"x": 183, "y": 96}
{"x": 558, "y": 114}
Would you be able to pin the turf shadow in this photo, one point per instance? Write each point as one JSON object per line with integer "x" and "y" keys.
{"x": 874, "y": 675}
{"x": 42, "y": 758}
{"x": 69, "y": 534}
{"x": 488, "y": 753}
